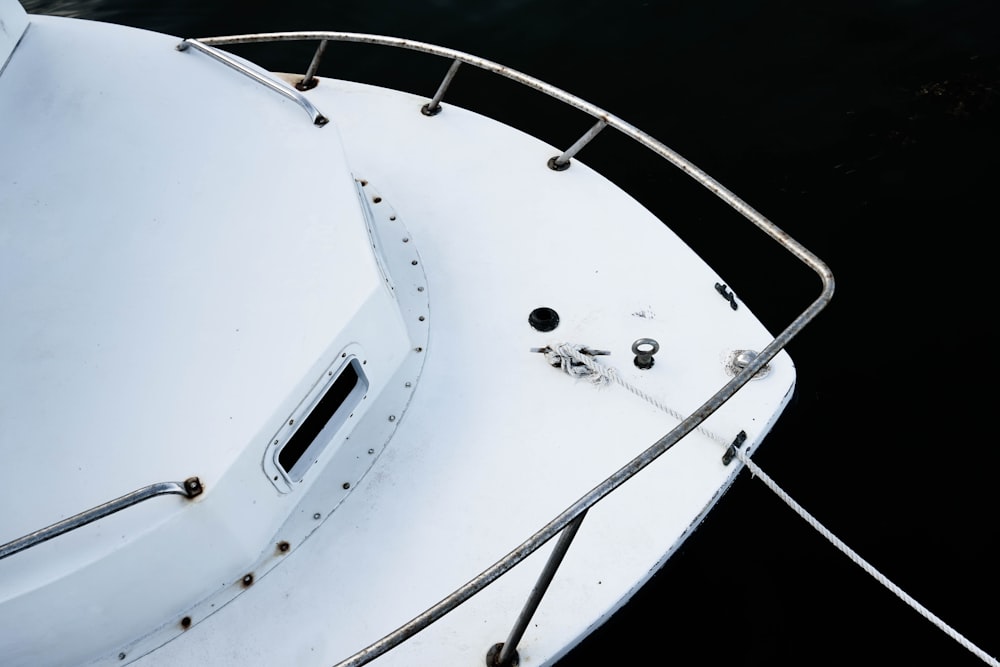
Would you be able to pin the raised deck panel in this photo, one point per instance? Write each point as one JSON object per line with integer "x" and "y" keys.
{"x": 184, "y": 256}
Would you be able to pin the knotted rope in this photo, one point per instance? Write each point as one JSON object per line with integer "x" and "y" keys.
{"x": 578, "y": 361}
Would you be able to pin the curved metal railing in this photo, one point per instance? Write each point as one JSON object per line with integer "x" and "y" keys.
{"x": 572, "y": 517}
{"x": 189, "y": 488}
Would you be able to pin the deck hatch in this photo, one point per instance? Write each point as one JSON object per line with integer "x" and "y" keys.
{"x": 323, "y": 421}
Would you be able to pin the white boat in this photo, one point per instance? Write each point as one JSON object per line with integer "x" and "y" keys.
{"x": 300, "y": 370}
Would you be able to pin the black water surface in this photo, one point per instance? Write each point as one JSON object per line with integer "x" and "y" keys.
{"x": 868, "y": 130}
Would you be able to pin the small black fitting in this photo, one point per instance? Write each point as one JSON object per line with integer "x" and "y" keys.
{"x": 543, "y": 319}
{"x": 727, "y": 294}
{"x": 493, "y": 657}
{"x": 730, "y": 454}
{"x": 193, "y": 487}
{"x": 305, "y": 85}
{"x": 555, "y": 165}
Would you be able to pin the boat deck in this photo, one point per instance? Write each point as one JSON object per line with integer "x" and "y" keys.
{"x": 488, "y": 442}
{"x": 495, "y": 442}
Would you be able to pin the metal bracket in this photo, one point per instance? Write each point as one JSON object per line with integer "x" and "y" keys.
{"x": 728, "y": 295}
{"x": 730, "y": 454}
{"x": 583, "y": 350}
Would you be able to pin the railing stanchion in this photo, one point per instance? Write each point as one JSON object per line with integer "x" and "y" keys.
{"x": 307, "y": 82}
{"x": 509, "y": 648}
{"x": 562, "y": 162}
{"x": 433, "y": 107}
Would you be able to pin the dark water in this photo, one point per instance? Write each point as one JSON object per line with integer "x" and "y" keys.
{"x": 870, "y": 131}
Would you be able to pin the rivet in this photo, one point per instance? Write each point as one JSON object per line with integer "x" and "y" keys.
{"x": 248, "y": 579}
{"x": 284, "y": 546}
{"x": 421, "y": 318}
{"x": 406, "y": 239}
{"x": 186, "y": 622}
{"x": 392, "y": 418}
{"x": 346, "y": 485}
{"x": 408, "y": 384}
{"x": 420, "y": 289}
{"x": 317, "y": 516}
{"x": 419, "y": 349}
{"x": 371, "y": 451}
{"x": 121, "y": 656}
{"x": 414, "y": 262}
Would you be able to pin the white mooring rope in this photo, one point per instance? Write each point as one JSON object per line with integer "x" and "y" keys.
{"x": 572, "y": 360}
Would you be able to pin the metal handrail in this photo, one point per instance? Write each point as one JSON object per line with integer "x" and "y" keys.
{"x": 318, "y": 119}
{"x": 189, "y": 488}
{"x": 574, "y": 513}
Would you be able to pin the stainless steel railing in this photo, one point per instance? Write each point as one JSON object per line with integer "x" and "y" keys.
{"x": 189, "y": 488}
{"x": 279, "y": 87}
{"x": 567, "y": 522}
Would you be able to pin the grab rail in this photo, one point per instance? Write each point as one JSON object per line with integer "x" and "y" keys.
{"x": 573, "y": 515}
{"x": 318, "y": 119}
{"x": 189, "y": 488}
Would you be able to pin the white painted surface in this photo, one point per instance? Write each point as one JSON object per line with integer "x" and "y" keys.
{"x": 13, "y": 23}
{"x": 174, "y": 282}
{"x": 161, "y": 208}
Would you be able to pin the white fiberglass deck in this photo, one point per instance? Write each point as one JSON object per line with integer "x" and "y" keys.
{"x": 493, "y": 442}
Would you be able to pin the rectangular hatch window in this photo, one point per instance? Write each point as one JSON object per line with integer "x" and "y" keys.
{"x": 319, "y": 427}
